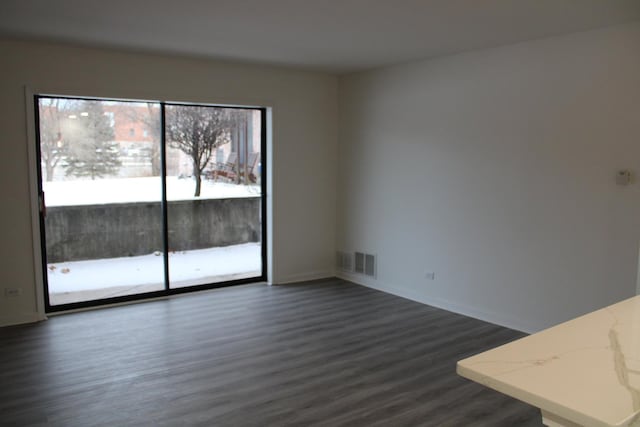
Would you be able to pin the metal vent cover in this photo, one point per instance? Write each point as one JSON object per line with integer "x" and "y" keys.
{"x": 365, "y": 264}
{"x": 344, "y": 261}
{"x": 359, "y": 264}
{"x": 370, "y": 265}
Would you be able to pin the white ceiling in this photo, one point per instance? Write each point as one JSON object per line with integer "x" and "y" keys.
{"x": 329, "y": 35}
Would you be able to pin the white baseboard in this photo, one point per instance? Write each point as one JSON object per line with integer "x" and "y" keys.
{"x": 495, "y": 318}
{"x": 302, "y": 277}
{"x": 465, "y": 310}
{"x": 21, "y": 318}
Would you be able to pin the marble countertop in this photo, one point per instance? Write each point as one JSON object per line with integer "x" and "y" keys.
{"x": 586, "y": 370}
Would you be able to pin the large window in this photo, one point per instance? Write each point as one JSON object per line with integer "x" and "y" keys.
{"x": 148, "y": 198}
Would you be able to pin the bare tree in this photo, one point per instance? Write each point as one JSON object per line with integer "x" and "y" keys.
{"x": 197, "y": 131}
{"x": 152, "y": 122}
{"x": 150, "y": 117}
{"x": 52, "y": 149}
{"x": 91, "y": 151}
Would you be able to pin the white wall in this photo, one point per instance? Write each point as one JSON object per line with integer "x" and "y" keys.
{"x": 304, "y": 145}
{"x": 495, "y": 169}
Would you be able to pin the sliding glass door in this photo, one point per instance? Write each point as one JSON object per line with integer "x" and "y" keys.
{"x": 214, "y": 194}
{"x": 142, "y": 199}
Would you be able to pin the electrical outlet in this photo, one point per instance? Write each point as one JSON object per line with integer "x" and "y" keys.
{"x": 12, "y": 292}
{"x": 430, "y": 275}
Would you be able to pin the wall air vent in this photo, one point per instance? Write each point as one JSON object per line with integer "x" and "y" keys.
{"x": 370, "y": 265}
{"x": 365, "y": 264}
{"x": 344, "y": 261}
{"x": 359, "y": 257}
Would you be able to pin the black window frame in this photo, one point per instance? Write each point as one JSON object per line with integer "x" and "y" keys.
{"x": 167, "y": 291}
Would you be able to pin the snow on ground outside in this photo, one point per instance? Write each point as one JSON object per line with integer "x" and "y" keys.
{"x": 148, "y": 269}
{"x": 148, "y": 189}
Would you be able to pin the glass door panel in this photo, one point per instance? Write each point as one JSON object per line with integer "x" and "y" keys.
{"x": 214, "y": 189}
{"x": 101, "y": 179}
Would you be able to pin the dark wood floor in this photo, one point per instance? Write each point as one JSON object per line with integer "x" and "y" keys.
{"x": 326, "y": 353}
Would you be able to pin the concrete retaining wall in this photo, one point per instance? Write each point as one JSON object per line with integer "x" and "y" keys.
{"x": 128, "y": 229}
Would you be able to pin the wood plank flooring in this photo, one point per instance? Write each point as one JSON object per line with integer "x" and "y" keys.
{"x": 324, "y": 353}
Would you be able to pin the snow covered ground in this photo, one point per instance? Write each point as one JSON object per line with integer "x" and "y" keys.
{"x": 104, "y": 278}
{"x": 130, "y": 275}
{"x": 123, "y": 190}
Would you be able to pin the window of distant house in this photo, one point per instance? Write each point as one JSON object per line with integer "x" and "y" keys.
{"x": 132, "y": 132}
{"x": 145, "y": 133}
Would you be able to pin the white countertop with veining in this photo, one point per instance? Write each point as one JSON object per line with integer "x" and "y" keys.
{"x": 586, "y": 370}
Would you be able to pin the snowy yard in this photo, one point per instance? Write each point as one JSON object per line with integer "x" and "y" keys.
{"x": 104, "y": 278}
{"x": 124, "y": 190}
